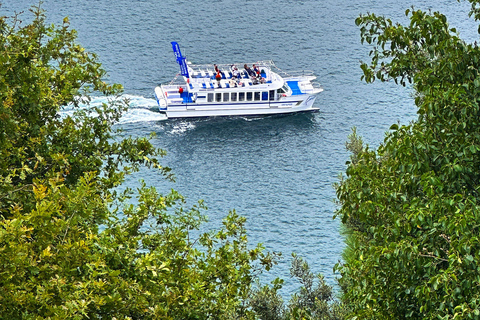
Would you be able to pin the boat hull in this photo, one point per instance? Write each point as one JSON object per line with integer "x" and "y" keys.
{"x": 302, "y": 103}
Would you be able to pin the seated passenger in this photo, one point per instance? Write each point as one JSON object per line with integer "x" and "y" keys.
{"x": 258, "y": 75}
{"x": 256, "y": 70}
{"x": 249, "y": 71}
{"x": 235, "y": 74}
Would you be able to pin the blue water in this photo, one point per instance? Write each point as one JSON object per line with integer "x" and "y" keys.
{"x": 277, "y": 171}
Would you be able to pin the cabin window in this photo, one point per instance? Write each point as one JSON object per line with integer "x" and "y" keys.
{"x": 226, "y": 96}
{"x": 210, "y": 97}
{"x": 249, "y": 96}
{"x": 233, "y": 96}
{"x": 218, "y": 97}
{"x": 257, "y": 96}
{"x": 264, "y": 96}
{"x": 283, "y": 89}
{"x": 241, "y": 96}
{"x": 272, "y": 95}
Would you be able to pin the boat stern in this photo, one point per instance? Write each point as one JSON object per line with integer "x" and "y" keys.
{"x": 161, "y": 99}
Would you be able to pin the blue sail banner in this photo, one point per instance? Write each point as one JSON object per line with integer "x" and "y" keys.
{"x": 182, "y": 61}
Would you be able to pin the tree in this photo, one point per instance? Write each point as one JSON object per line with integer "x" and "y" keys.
{"x": 71, "y": 245}
{"x": 412, "y": 206}
{"x": 315, "y": 301}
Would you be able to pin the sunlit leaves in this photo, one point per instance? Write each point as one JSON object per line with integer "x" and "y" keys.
{"x": 72, "y": 246}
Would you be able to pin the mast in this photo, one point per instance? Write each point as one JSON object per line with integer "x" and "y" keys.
{"x": 182, "y": 61}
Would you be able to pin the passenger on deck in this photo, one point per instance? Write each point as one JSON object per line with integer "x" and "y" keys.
{"x": 218, "y": 77}
{"x": 258, "y": 75}
{"x": 256, "y": 70}
{"x": 249, "y": 71}
{"x": 235, "y": 73}
{"x": 216, "y": 69}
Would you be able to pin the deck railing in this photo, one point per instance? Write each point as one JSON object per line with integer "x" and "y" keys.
{"x": 269, "y": 64}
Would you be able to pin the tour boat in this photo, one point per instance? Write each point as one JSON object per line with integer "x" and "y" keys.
{"x": 235, "y": 90}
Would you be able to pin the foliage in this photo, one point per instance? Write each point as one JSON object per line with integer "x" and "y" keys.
{"x": 71, "y": 247}
{"x": 267, "y": 303}
{"x": 354, "y": 145}
{"x": 312, "y": 302}
{"x": 412, "y": 206}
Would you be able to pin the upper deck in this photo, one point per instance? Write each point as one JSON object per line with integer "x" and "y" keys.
{"x": 202, "y": 78}
{"x": 201, "y": 85}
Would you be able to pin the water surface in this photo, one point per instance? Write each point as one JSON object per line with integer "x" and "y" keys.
{"x": 277, "y": 171}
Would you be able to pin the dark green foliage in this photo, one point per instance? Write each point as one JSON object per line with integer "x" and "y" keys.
{"x": 312, "y": 302}
{"x": 267, "y": 303}
{"x": 412, "y": 206}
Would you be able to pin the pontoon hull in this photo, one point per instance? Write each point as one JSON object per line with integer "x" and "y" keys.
{"x": 299, "y": 104}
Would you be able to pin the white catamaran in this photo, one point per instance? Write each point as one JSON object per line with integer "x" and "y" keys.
{"x": 224, "y": 90}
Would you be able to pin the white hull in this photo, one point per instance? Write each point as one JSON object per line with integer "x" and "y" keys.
{"x": 304, "y": 104}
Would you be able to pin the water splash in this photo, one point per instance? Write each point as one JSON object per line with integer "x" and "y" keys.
{"x": 182, "y": 127}
{"x": 141, "y": 109}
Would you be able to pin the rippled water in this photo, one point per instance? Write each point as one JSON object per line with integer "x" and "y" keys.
{"x": 277, "y": 171}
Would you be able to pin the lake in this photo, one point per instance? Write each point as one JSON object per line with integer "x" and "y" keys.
{"x": 277, "y": 171}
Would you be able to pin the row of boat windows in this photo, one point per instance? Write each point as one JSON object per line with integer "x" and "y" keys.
{"x": 240, "y": 96}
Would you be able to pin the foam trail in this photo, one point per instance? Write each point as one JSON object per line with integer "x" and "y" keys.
{"x": 141, "y": 109}
{"x": 182, "y": 127}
